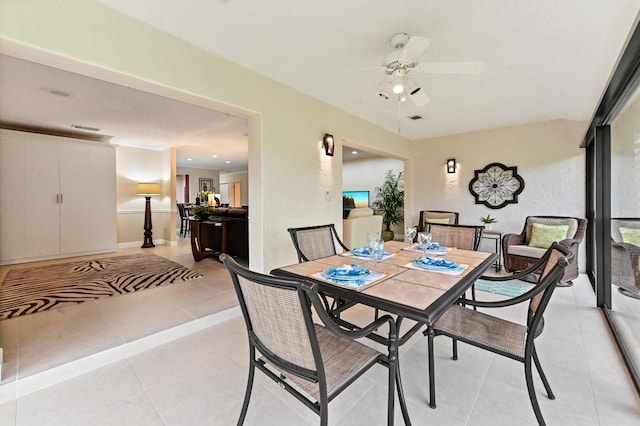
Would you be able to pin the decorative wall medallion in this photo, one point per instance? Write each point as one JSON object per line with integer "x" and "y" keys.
{"x": 496, "y": 185}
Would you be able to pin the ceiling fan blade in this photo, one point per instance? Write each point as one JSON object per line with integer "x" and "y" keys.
{"x": 450, "y": 67}
{"x": 415, "y": 47}
{"x": 419, "y": 97}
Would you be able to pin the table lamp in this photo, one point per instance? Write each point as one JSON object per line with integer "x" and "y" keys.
{"x": 147, "y": 190}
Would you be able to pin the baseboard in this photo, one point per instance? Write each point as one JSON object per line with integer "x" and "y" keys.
{"x": 133, "y": 244}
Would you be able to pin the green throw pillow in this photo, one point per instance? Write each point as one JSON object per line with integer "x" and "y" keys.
{"x": 543, "y": 236}
{"x": 443, "y": 220}
{"x": 630, "y": 235}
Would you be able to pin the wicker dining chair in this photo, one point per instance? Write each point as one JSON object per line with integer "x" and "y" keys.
{"x": 315, "y": 242}
{"x": 500, "y": 336}
{"x": 312, "y": 362}
{"x": 437, "y": 216}
{"x": 464, "y": 237}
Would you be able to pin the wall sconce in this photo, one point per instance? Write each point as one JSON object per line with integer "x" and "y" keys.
{"x": 327, "y": 143}
{"x": 451, "y": 165}
{"x": 147, "y": 190}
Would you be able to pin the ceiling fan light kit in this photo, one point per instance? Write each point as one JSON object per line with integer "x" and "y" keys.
{"x": 402, "y": 65}
{"x": 398, "y": 81}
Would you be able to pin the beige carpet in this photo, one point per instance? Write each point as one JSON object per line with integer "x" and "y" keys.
{"x": 36, "y": 289}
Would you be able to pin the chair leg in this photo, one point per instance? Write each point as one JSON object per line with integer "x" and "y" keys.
{"x": 532, "y": 391}
{"x": 247, "y": 394}
{"x": 324, "y": 412}
{"x": 542, "y": 375}
{"x": 393, "y": 376}
{"x": 454, "y": 346}
{"x": 473, "y": 296}
{"x": 403, "y": 402}
{"x": 432, "y": 378}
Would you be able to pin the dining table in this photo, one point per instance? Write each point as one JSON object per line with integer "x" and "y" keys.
{"x": 408, "y": 282}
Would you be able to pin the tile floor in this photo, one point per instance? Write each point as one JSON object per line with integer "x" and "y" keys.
{"x": 177, "y": 355}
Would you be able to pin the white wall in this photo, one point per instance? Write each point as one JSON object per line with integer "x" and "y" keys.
{"x": 288, "y": 173}
{"x": 134, "y": 165}
{"x": 194, "y": 179}
{"x": 366, "y": 175}
{"x": 243, "y": 178}
{"x": 548, "y": 158}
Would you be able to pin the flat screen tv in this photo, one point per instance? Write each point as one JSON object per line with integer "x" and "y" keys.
{"x": 353, "y": 199}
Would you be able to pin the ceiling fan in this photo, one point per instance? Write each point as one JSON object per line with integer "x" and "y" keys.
{"x": 402, "y": 65}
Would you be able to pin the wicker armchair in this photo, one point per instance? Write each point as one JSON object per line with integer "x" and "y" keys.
{"x": 500, "y": 336}
{"x": 625, "y": 259}
{"x": 436, "y": 216}
{"x": 518, "y": 255}
{"x": 312, "y": 362}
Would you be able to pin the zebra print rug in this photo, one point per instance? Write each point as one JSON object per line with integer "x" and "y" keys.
{"x": 30, "y": 290}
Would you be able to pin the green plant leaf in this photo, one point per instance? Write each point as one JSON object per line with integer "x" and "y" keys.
{"x": 390, "y": 199}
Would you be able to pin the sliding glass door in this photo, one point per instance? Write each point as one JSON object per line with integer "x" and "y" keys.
{"x": 625, "y": 225}
{"x": 613, "y": 204}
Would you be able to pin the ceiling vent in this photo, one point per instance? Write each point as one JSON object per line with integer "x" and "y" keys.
{"x": 415, "y": 117}
{"x": 87, "y": 128}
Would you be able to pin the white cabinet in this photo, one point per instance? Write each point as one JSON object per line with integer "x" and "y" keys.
{"x": 57, "y": 197}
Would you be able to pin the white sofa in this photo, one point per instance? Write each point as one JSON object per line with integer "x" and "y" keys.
{"x": 356, "y": 226}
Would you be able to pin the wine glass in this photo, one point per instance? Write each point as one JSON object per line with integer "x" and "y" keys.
{"x": 376, "y": 250}
{"x": 410, "y": 232}
{"x": 372, "y": 237}
{"x": 424, "y": 238}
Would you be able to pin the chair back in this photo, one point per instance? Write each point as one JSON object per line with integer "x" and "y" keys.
{"x": 277, "y": 315}
{"x": 465, "y": 237}
{"x": 437, "y": 216}
{"x": 577, "y": 226}
{"x": 552, "y": 264}
{"x": 182, "y": 211}
{"x": 315, "y": 242}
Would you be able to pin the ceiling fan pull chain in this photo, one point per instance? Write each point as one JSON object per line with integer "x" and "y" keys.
{"x": 399, "y": 114}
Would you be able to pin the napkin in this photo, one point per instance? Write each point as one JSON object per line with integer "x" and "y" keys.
{"x": 429, "y": 261}
{"x": 435, "y": 246}
{"x": 361, "y": 251}
{"x": 352, "y": 270}
{"x": 365, "y": 253}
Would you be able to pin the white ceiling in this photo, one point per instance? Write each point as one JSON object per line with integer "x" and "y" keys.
{"x": 543, "y": 60}
{"x": 35, "y": 95}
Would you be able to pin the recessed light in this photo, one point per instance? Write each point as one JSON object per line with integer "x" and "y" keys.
{"x": 214, "y": 156}
{"x": 354, "y": 152}
{"x": 189, "y": 159}
{"x": 228, "y": 162}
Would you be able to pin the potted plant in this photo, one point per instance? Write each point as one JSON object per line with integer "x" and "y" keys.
{"x": 488, "y": 220}
{"x": 203, "y": 211}
{"x": 390, "y": 202}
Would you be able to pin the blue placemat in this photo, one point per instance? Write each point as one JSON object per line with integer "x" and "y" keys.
{"x": 505, "y": 288}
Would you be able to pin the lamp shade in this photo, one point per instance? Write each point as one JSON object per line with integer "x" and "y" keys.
{"x": 148, "y": 189}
